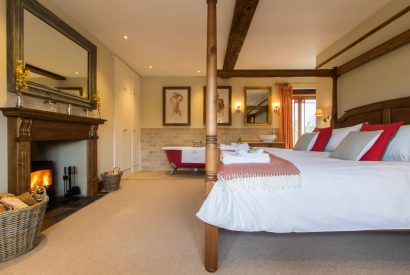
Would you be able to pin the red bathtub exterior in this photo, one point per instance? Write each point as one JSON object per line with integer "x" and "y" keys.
{"x": 174, "y": 156}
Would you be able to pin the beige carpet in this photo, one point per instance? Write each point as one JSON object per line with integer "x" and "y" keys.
{"x": 166, "y": 175}
{"x": 149, "y": 227}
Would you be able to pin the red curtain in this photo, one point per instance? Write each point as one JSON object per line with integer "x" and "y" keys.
{"x": 285, "y": 114}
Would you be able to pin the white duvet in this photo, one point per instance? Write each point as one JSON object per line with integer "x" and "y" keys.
{"x": 336, "y": 195}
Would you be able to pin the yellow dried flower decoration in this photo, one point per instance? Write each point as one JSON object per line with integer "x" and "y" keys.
{"x": 97, "y": 100}
{"x": 21, "y": 76}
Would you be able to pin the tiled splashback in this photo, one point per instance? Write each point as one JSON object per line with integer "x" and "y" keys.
{"x": 153, "y": 139}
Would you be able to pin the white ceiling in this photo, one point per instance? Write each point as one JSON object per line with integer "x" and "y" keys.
{"x": 170, "y": 35}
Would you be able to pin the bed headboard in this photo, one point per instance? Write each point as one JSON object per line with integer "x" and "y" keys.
{"x": 378, "y": 113}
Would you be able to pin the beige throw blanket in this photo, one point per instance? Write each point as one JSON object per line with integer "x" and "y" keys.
{"x": 278, "y": 174}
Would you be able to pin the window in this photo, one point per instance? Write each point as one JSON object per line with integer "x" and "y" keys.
{"x": 303, "y": 114}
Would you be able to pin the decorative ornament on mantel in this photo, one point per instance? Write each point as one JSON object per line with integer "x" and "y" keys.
{"x": 21, "y": 81}
{"x": 97, "y": 102}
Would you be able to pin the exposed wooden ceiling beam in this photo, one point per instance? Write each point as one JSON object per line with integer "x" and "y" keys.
{"x": 43, "y": 72}
{"x": 262, "y": 109}
{"x": 275, "y": 73}
{"x": 259, "y": 106}
{"x": 242, "y": 17}
{"x": 388, "y": 46}
{"x": 366, "y": 35}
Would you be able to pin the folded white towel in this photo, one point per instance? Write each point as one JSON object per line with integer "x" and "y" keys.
{"x": 257, "y": 153}
{"x": 234, "y": 146}
{"x": 228, "y": 153}
{"x": 237, "y": 160}
{"x": 250, "y": 152}
{"x": 244, "y": 157}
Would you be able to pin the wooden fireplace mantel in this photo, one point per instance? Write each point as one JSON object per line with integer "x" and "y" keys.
{"x": 27, "y": 125}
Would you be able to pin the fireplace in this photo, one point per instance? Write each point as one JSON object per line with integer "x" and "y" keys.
{"x": 26, "y": 126}
{"x": 42, "y": 175}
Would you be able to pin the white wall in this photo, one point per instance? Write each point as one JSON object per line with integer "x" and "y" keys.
{"x": 387, "y": 77}
{"x": 384, "y": 78}
{"x": 151, "y": 96}
{"x": 105, "y": 85}
{"x": 324, "y": 86}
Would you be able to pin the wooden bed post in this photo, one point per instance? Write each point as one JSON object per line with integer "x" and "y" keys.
{"x": 334, "y": 97}
{"x": 211, "y": 166}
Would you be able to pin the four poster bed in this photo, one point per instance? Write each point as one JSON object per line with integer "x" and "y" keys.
{"x": 335, "y": 195}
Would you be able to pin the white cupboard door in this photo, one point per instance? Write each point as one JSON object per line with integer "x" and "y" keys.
{"x": 123, "y": 116}
{"x": 136, "y": 123}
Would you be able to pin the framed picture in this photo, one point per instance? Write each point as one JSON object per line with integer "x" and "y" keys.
{"x": 223, "y": 103}
{"x": 176, "y": 107}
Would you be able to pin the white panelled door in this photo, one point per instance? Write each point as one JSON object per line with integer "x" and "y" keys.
{"x": 136, "y": 131}
{"x": 123, "y": 116}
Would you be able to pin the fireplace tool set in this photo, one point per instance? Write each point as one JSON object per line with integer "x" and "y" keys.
{"x": 70, "y": 187}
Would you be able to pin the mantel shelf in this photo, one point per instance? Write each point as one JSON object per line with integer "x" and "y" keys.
{"x": 51, "y": 116}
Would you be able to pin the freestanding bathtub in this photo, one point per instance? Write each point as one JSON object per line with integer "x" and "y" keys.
{"x": 185, "y": 157}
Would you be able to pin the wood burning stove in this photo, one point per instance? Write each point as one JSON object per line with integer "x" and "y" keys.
{"x": 42, "y": 175}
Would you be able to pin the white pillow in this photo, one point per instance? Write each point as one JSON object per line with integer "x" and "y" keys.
{"x": 338, "y": 135}
{"x": 306, "y": 141}
{"x": 399, "y": 146}
{"x": 355, "y": 145}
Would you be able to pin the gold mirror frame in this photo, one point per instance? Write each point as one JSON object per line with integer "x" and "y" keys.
{"x": 269, "y": 106}
{"x": 15, "y": 52}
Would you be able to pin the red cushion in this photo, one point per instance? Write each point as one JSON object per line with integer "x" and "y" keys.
{"x": 322, "y": 139}
{"x": 376, "y": 152}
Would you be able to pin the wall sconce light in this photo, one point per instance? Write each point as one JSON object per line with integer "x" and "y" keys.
{"x": 238, "y": 107}
{"x": 319, "y": 113}
{"x": 276, "y": 106}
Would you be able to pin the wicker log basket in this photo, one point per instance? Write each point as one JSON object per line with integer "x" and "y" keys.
{"x": 20, "y": 229}
{"x": 111, "y": 180}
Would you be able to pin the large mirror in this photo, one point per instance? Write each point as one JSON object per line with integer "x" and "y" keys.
{"x": 258, "y": 106}
{"x": 62, "y": 61}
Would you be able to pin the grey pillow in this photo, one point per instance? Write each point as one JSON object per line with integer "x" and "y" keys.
{"x": 355, "y": 145}
{"x": 306, "y": 142}
{"x": 399, "y": 147}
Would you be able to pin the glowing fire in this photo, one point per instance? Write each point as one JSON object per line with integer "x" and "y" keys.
{"x": 40, "y": 178}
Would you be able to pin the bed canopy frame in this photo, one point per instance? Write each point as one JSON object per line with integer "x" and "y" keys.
{"x": 381, "y": 112}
